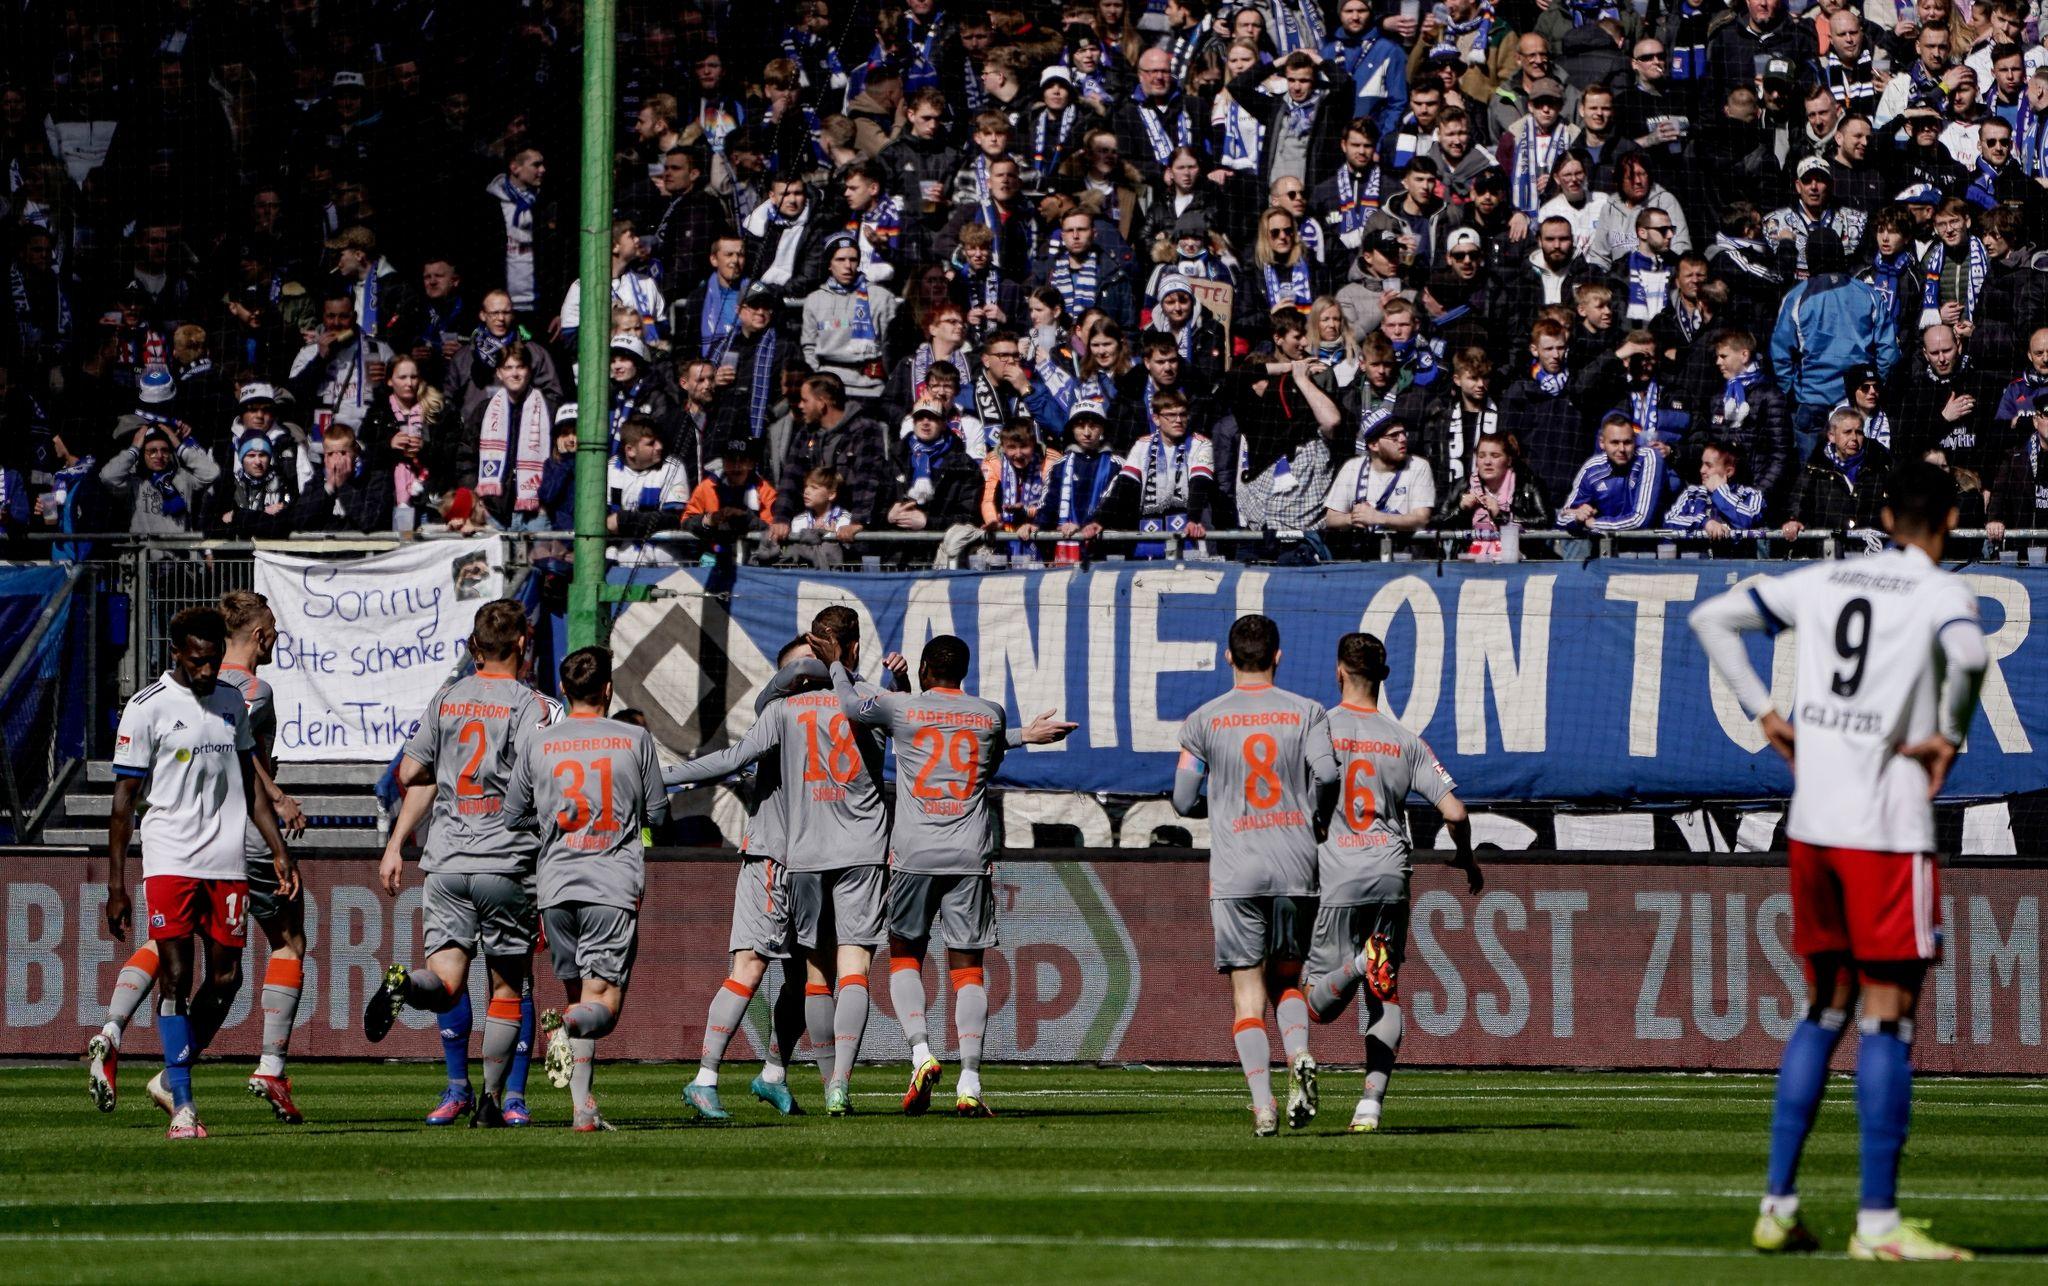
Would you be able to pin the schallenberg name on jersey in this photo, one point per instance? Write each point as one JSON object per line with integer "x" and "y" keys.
{"x": 190, "y": 749}
{"x": 1870, "y": 665}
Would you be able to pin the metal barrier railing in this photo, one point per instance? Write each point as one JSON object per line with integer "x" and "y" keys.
{"x": 33, "y": 765}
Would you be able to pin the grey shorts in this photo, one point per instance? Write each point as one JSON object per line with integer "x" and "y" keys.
{"x": 482, "y": 914}
{"x": 590, "y": 941}
{"x": 267, "y": 904}
{"x": 1251, "y": 931}
{"x": 842, "y": 906}
{"x": 1342, "y": 930}
{"x": 760, "y": 909}
{"x": 963, "y": 906}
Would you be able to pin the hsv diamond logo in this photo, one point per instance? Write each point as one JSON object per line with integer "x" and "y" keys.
{"x": 156, "y": 919}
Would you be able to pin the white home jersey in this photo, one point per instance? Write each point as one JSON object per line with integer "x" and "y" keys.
{"x": 1871, "y": 665}
{"x": 190, "y": 750}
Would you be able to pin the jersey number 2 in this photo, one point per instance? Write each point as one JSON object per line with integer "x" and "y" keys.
{"x": 473, "y": 736}
{"x": 1852, "y": 644}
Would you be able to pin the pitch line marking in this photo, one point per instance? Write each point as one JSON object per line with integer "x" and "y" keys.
{"x": 921, "y": 1240}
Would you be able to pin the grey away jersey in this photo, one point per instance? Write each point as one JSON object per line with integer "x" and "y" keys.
{"x": 1264, "y": 749}
{"x": 948, "y": 747}
{"x": 261, "y": 704}
{"x": 588, "y": 785}
{"x": 467, "y": 737}
{"x": 1365, "y": 857}
{"x": 833, "y": 812}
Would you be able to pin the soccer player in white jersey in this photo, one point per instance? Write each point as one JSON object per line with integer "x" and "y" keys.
{"x": 252, "y": 633}
{"x": 1265, "y": 754}
{"x": 1891, "y": 655}
{"x": 1361, "y": 931}
{"x": 478, "y": 894}
{"x": 942, "y": 847}
{"x": 590, "y": 785}
{"x": 187, "y": 737}
{"x": 760, "y": 923}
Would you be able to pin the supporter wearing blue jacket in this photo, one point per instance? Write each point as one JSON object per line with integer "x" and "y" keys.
{"x": 1827, "y": 324}
{"x": 1376, "y": 63}
{"x": 1620, "y": 489}
{"x": 1717, "y": 506}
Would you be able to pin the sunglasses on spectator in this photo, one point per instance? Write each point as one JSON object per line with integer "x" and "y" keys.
{"x": 1464, "y": 254}
{"x": 1650, "y": 56}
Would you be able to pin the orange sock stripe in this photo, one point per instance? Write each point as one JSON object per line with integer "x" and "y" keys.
{"x": 284, "y": 971}
{"x": 1246, "y": 1024}
{"x": 1294, "y": 992}
{"x": 853, "y": 980}
{"x": 145, "y": 958}
{"x": 817, "y": 989}
{"x": 738, "y": 988}
{"x": 970, "y": 977}
{"x": 905, "y": 964}
{"x": 506, "y": 1010}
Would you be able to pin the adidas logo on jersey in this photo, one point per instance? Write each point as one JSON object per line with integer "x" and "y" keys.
{"x": 178, "y": 726}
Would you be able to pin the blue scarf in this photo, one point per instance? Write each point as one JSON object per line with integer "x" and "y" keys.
{"x": 1973, "y": 280}
{"x": 1298, "y": 25}
{"x": 1552, "y": 385}
{"x": 1077, "y": 286}
{"x": 1075, "y": 505}
{"x": 1418, "y": 359}
{"x": 1647, "y": 297}
{"x": 173, "y": 501}
{"x": 1481, "y": 23}
{"x": 1983, "y": 189}
{"x": 1049, "y": 137}
{"x": 2030, "y": 139}
{"x": 1530, "y": 161}
{"x": 1299, "y": 291}
{"x": 1688, "y": 62}
{"x": 1643, "y": 409}
{"x": 1585, "y": 11}
{"x": 1155, "y": 133}
{"x": 1888, "y": 276}
{"x": 863, "y": 324}
{"x": 720, "y": 320}
{"x": 926, "y": 457}
{"x": 1354, "y": 207}
{"x": 1848, "y": 467}
{"x": 1735, "y": 395}
{"x": 1026, "y": 491}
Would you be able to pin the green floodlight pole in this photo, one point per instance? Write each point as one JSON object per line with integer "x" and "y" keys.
{"x": 593, "y": 339}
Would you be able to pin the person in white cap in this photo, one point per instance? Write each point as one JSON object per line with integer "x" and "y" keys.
{"x": 1813, "y": 206}
{"x": 1196, "y": 335}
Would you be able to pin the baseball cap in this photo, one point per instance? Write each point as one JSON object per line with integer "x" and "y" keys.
{"x": 1056, "y": 73}
{"x": 157, "y": 386}
{"x": 737, "y": 448}
{"x": 632, "y": 346}
{"x": 256, "y": 391}
{"x": 1545, "y": 87}
{"x": 759, "y": 297}
{"x": 1088, "y": 406}
{"x": 1814, "y": 165}
{"x": 566, "y": 413}
{"x": 1385, "y": 243}
{"x": 348, "y": 80}
{"x": 1464, "y": 239}
{"x": 1920, "y": 194}
{"x": 1778, "y": 69}
{"x": 925, "y": 413}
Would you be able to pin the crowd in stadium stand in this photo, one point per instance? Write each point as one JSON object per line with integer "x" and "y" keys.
{"x": 991, "y": 269}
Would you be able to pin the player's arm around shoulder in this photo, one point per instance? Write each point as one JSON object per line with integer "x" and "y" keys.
{"x": 765, "y": 735}
{"x": 519, "y": 807}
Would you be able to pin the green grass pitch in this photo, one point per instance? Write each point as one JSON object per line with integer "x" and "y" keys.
{"x": 1101, "y": 1175}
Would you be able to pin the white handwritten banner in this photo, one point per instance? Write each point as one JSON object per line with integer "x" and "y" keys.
{"x": 362, "y": 644}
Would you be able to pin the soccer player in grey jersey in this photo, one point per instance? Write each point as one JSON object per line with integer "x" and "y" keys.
{"x": 760, "y": 923}
{"x": 1272, "y": 779}
{"x": 1361, "y": 929}
{"x": 836, "y": 841}
{"x": 478, "y": 894}
{"x": 942, "y": 846}
{"x": 589, "y": 785}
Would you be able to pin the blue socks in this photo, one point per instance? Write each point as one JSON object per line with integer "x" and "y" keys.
{"x": 455, "y": 1027}
{"x": 1802, "y": 1082}
{"x": 1884, "y": 1106}
{"x": 522, "y": 1053}
{"x": 175, "y": 1031}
